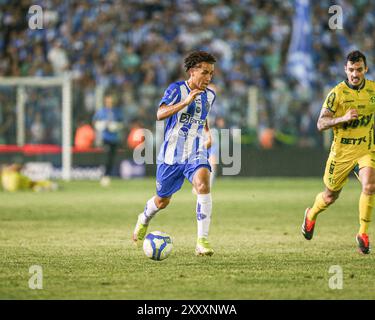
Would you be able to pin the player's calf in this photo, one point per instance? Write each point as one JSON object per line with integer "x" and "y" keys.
{"x": 144, "y": 218}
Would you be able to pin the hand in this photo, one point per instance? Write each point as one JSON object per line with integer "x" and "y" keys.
{"x": 351, "y": 115}
{"x": 190, "y": 98}
{"x": 208, "y": 140}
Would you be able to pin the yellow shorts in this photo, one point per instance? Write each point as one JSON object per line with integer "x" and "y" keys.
{"x": 337, "y": 172}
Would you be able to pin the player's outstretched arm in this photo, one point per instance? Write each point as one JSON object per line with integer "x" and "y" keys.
{"x": 326, "y": 119}
{"x": 165, "y": 111}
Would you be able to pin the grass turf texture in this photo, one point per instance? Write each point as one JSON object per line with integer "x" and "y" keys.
{"x": 80, "y": 236}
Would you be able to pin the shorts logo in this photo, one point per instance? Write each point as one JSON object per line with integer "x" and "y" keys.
{"x": 332, "y": 181}
{"x": 158, "y": 186}
{"x": 332, "y": 167}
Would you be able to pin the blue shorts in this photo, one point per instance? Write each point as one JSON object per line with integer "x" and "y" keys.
{"x": 170, "y": 178}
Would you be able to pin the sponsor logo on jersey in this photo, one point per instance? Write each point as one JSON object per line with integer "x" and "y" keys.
{"x": 188, "y": 119}
{"x": 355, "y": 141}
{"x": 360, "y": 122}
{"x": 361, "y": 106}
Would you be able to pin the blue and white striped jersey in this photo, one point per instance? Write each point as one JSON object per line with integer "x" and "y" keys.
{"x": 183, "y": 133}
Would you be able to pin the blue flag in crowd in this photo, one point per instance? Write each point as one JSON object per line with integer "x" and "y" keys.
{"x": 299, "y": 63}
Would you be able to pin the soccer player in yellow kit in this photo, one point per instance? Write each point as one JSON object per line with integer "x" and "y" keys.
{"x": 13, "y": 180}
{"x": 349, "y": 110}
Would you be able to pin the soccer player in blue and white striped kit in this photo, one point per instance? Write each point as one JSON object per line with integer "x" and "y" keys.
{"x": 183, "y": 154}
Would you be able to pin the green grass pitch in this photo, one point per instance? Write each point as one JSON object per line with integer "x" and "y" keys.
{"x": 80, "y": 236}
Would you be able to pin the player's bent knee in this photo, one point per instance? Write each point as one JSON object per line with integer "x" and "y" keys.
{"x": 162, "y": 203}
{"x": 369, "y": 189}
{"x": 330, "y": 198}
{"x": 202, "y": 188}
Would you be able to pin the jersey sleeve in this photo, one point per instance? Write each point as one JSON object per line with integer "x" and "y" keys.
{"x": 214, "y": 97}
{"x": 331, "y": 101}
{"x": 172, "y": 95}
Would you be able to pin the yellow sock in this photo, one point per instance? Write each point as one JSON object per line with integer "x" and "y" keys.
{"x": 318, "y": 207}
{"x": 366, "y": 202}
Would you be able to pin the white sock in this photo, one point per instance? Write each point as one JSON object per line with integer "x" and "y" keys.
{"x": 150, "y": 211}
{"x": 212, "y": 175}
{"x": 204, "y": 209}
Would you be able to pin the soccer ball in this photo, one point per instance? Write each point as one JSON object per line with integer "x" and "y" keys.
{"x": 157, "y": 245}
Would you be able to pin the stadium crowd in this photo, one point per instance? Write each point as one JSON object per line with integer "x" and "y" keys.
{"x": 136, "y": 47}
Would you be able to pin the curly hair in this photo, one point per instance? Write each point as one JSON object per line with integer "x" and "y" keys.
{"x": 356, "y": 56}
{"x": 197, "y": 57}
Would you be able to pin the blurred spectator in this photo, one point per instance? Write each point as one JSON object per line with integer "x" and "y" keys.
{"x": 7, "y": 121}
{"x": 38, "y": 130}
{"x": 108, "y": 122}
{"x": 85, "y": 136}
{"x": 58, "y": 58}
{"x": 136, "y": 135}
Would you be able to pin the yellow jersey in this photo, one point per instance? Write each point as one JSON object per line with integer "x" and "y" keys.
{"x": 13, "y": 181}
{"x": 354, "y": 138}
